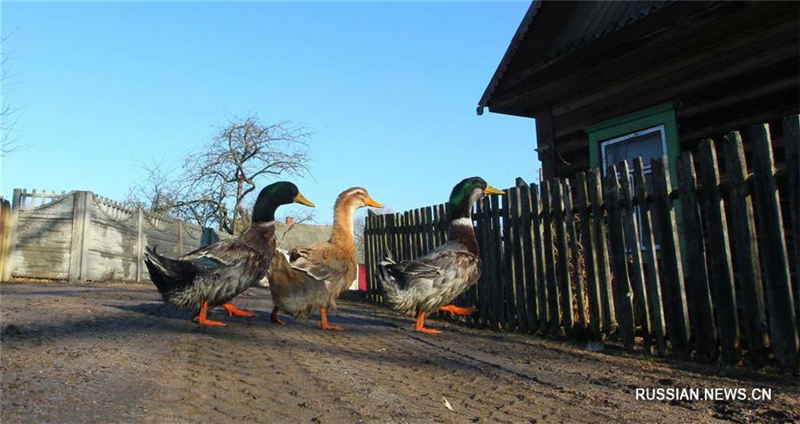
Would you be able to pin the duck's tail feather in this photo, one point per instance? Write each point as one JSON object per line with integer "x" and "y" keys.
{"x": 169, "y": 275}
{"x": 387, "y": 278}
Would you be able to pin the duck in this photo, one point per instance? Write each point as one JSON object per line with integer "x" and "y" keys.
{"x": 429, "y": 283}
{"x": 213, "y": 275}
{"x": 313, "y": 277}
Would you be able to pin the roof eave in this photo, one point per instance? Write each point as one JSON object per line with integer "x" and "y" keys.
{"x": 522, "y": 30}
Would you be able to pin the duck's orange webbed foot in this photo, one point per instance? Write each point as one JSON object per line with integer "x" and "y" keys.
{"x": 323, "y": 321}
{"x": 209, "y": 322}
{"x": 419, "y": 325}
{"x": 275, "y": 318}
{"x": 201, "y": 317}
{"x": 234, "y": 311}
{"x": 457, "y": 310}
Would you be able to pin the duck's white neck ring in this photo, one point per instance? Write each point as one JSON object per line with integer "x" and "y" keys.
{"x": 467, "y": 222}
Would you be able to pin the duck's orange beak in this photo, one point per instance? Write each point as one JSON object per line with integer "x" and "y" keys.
{"x": 492, "y": 190}
{"x": 374, "y": 204}
{"x": 302, "y": 200}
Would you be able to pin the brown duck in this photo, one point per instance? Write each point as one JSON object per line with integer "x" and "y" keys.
{"x": 314, "y": 276}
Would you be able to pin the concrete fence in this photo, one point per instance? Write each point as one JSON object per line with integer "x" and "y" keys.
{"x": 79, "y": 236}
{"x": 5, "y": 224}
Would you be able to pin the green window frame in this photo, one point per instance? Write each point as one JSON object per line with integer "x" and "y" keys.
{"x": 654, "y": 116}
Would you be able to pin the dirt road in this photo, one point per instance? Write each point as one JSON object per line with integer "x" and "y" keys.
{"x": 115, "y": 353}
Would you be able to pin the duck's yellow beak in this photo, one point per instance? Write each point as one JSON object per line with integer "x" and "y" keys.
{"x": 374, "y": 204}
{"x": 302, "y": 200}
{"x": 492, "y": 190}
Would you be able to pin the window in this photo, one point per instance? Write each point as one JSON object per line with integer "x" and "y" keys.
{"x": 649, "y": 133}
{"x": 649, "y": 143}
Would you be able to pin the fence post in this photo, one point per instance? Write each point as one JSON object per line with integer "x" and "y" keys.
{"x": 5, "y": 227}
{"x": 11, "y": 242}
{"x": 780, "y": 308}
{"x": 139, "y": 244}
{"x": 80, "y": 230}
{"x": 698, "y": 291}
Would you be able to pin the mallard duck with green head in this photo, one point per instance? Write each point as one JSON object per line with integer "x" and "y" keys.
{"x": 431, "y": 282}
{"x": 213, "y": 275}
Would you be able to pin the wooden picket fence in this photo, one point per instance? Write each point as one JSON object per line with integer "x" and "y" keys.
{"x": 703, "y": 268}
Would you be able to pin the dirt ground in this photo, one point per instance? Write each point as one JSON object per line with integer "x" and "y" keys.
{"x": 115, "y": 353}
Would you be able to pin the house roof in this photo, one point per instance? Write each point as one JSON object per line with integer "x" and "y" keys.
{"x": 576, "y": 24}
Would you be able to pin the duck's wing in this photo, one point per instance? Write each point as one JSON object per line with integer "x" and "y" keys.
{"x": 223, "y": 253}
{"x": 435, "y": 268}
{"x": 319, "y": 263}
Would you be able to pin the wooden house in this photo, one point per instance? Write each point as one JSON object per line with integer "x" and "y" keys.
{"x": 607, "y": 80}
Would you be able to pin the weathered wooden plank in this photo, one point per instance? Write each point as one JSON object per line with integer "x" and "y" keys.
{"x": 386, "y": 238}
{"x": 432, "y": 228}
{"x": 697, "y": 288}
{"x": 528, "y": 257}
{"x": 384, "y": 222}
{"x": 745, "y": 249}
{"x": 632, "y": 242}
{"x": 489, "y": 258}
{"x": 723, "y": 291}
{"x": 484, "y": 283}
{"x": 422, "y": 228}
{"x": 376, "y": 290}
{"x": 539, "y": 252}
{"x": 619, "y": 263}
{"x": 395, "y": 245}
{"x": 391, "y": 236}
{"x": 562, "y": 247}
{"x": 368, "y": 251}
{"x": 553, "y": 307}
{"x": 436, "y": 234}
{"x": 496, "y": 259}
{"x": 780, "y": 305}
{"x": 673, "y": 287}
{"x": 600, "y": 248}
{"x": 521, "y": 309}
{"x": 410, "y": 234}
{"x": 575, "y": 258}
{"x": 476, "y": 320}
{"x": 507, "y": 288}
{"x": 499, "y": 261}
{"x": 416, "y": 230}
{"x": 589, "y": 257}
{"x": 445, "y": 221}
{"x": 408, "y": 244}
{"x": 424, "y": 231}
{"x": 375, "y": 254}
{"x": 791, "y": 142}
{"x": 653, "y": 281}
{"x": 469, "y": 298}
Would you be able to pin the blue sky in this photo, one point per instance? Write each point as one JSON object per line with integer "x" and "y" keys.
{"x": 388, "y": 89}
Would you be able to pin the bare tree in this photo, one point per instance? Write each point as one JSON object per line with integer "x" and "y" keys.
{"x": 240, "y": 153}
{"x": 8, "y": 114}
{"x": 155, "y": 192}
{"x": 216, "y": 181}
